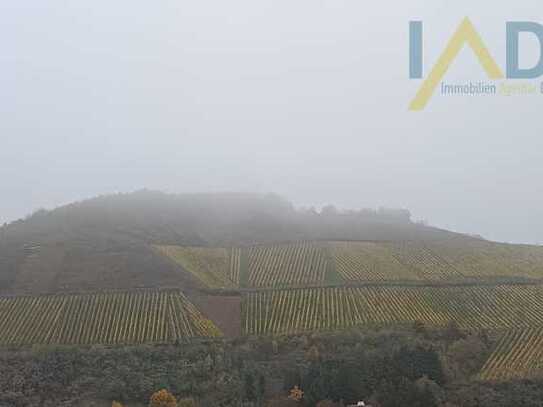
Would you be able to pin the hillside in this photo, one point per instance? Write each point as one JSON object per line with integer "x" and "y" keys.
{"x": 153, "y": 268}
{"x": 107, "y": 242}
{"x": 324, "y": 263}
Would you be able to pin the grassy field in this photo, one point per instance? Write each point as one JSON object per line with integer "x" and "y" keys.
{"x": 104, "y": 318}
{"x": 299, "y": 310}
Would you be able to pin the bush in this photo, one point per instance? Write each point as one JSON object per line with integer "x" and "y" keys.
{"x": 163, "y": 398}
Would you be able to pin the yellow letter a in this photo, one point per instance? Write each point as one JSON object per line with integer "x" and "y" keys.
{"x": 466, "y": 33}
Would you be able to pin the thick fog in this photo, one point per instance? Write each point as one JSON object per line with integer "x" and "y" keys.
{"x": 308, "y": 99}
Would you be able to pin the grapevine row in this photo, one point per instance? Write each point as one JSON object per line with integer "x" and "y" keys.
{"x": 368, "y": 261}
{"x": 298, "y": 310}
{"x": 305, "y": 263}
{"x": 518, "y": 355}
{"x": 105, "y": 318}
{"x": 424, "y": 262}
{"x": 235, "y": 265}
{"x": 295, "y": 264}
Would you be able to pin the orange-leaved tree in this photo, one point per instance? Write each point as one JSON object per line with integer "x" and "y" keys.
{"x": 163, "y": 398}
{"x": 116, "y": 404}
{"x": 296, "y": 394}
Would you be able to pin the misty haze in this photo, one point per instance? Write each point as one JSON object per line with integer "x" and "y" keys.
{"x": 234, "y": 203}
{"x": 306, "y": 100}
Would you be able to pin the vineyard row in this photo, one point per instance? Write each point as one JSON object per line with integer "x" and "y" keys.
{"x": 106, "y": 318}
{"x": 490, "y": 307}
{"x": 301, "y": 263}
{"x": 518, "y": 355}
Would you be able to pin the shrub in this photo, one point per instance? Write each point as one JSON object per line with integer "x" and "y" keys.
{"x": 163, "y": 398}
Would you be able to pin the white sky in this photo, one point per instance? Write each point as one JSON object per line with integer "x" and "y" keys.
{"x": 305, "y": 98}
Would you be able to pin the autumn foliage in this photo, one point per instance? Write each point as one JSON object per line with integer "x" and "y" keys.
{"x": 163, "y": 398}
{"x": 296, "y": 394}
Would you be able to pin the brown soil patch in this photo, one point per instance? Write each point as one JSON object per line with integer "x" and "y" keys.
{"x": 224, "y": 311}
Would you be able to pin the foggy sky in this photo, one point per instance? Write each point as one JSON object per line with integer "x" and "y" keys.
{"x": 304, "y": 98}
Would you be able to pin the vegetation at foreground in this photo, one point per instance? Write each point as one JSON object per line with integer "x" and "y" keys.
{"x": 424, "y": 366}
{"x": 420, "y": 366}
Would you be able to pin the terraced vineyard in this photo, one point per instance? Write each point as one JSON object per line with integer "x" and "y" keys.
{"x": 235, "y": 266}
{"x": 518, "y": 355}
{"x": 293, "y": 264}
{"x": 481, "y": 260}
{"x": 215, "y": 267}
{"x": 307, "y": 286}
{"x": 105, "y": 318}
{"x": 427, "y": 264}
{"x": 333, "y": 263}
{"x": 368, "y": 261}
{"x": 298, "y": 310}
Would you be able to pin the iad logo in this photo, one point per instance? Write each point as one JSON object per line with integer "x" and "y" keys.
{"x": 467, "y": 34}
